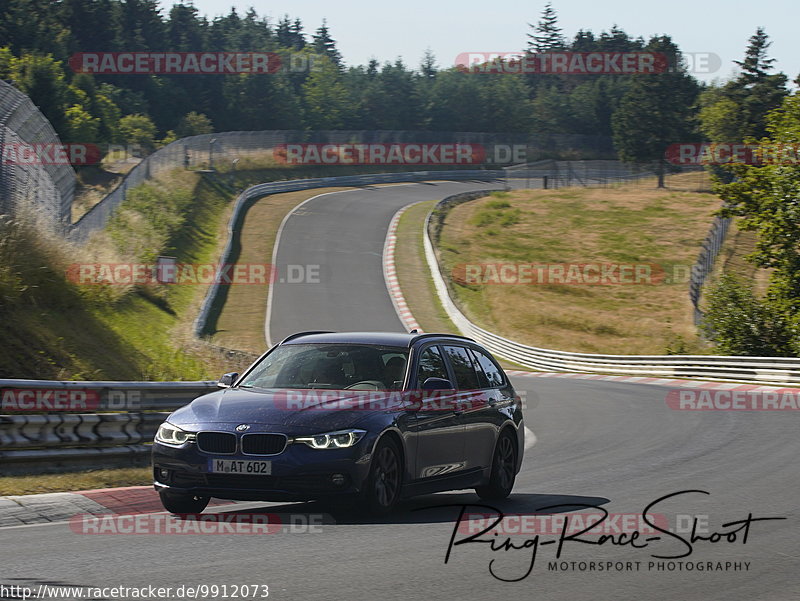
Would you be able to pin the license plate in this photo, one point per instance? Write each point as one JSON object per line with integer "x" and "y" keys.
{"x": 240, "y": 466}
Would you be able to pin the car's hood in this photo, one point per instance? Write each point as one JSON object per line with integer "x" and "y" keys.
{"x": 297, "y": 410}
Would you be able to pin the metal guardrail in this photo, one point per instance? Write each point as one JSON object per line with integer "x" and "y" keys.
{"x": 202, "y": 326}
{"x": 760, "y": 370}
{"x": 48, "y": 425}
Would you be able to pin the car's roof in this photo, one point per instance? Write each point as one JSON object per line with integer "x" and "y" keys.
{"x": 401, "y": 339}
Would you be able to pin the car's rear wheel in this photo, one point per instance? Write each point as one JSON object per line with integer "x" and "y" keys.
{"x": 182, "y": 503}
{"x": 385, "y": 479}
{"x": 504, "y": 470}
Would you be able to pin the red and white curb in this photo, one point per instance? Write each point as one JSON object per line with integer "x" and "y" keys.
{"x": 390, "y": 274}
{"x": 19, "y": 510}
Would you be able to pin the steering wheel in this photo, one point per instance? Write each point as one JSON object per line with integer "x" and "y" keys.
{"x": 366, "y": 385}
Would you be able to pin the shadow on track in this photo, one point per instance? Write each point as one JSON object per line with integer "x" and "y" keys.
{"x": 429, "y": 509}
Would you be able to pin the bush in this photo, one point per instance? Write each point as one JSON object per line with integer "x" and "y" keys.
{"x": 741, "y": 324}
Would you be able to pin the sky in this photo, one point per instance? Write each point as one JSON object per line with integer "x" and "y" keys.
{"x": 385, "y": 30}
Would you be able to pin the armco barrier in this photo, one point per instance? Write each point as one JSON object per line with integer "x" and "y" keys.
{"x": 202, "y": 325}
{"x": 48, "y": 425}
{"x": 762, "y": 370}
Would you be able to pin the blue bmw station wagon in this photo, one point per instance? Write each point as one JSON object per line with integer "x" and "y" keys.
{"x": 376, "y": 416}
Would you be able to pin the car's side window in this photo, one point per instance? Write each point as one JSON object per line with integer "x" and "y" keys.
{"x": 394, "y": 368}
{"x": 492, "y": 373}
{"x": 463, "y": 367}
{"x": 431, "y": 365}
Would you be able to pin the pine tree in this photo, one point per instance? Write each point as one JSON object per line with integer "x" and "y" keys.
{"x": 298, "y": 37}
{"x": 323, "y": 43}
{"x": 756, "y": 90}
{"x": 756, "y": 65}
{"x": 741, "y": 105}
{"x": 284, "y": 32}
{"x": 547, "y": 34}
{"x": 428, "y": 67}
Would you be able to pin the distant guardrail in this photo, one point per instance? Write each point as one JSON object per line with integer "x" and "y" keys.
{"x": 761, "y": 370}
{"x": 48, "y": 425}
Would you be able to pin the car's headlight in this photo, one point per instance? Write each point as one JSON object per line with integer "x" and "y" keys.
{"x": 169, "y": 434}
{"x": 332, "y": 440}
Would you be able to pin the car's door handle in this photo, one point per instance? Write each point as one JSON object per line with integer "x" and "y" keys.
{"x": 458, "y": 412}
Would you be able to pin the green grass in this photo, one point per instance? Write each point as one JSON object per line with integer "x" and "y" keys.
{"x": 85, "y": 480}
{"x": 58, "y": 329}
{"x": 413, "y": 272}
{"x": 55, "y": 329}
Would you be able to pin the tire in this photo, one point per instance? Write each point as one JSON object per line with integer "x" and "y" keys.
{"x": 504, "y": 470}
{"x": 385, "y": 480}
{"x": 182, "y": 503}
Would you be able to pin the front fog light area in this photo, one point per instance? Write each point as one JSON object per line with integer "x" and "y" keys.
{"x": 162, "y": 475}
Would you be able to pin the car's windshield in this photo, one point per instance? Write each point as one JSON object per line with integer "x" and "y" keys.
{"x": 334, "y": 366}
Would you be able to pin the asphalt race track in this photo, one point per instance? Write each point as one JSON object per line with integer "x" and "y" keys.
{"x": 343, "y": 233}
{"x": 618, "y": 446}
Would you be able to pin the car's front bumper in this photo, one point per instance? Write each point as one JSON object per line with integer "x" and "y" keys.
{"x": 299, "y": 473}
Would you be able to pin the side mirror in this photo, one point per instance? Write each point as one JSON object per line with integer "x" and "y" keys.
{"x": 437, "y": 384}
{"x": 227, "y": 380}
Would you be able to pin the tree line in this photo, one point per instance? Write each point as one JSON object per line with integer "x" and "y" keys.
{"x": 643, "y": 113}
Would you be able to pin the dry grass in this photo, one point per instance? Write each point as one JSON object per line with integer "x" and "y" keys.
{"x": 626, "y": 224}
{"x": 413, "y": 273}
{"x": 71, "y": 481}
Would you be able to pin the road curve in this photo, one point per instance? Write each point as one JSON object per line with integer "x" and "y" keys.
{"x": 340, "y": 235}
{"x": 608, "y": 444}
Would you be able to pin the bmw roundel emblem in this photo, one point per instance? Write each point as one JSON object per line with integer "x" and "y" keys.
{"x": 242, "y": 427}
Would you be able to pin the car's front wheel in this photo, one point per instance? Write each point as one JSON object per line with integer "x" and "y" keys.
{"x": 504, "y": 470}
{"x": 182, "y": 503}
{"x": 384, "y": 483}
